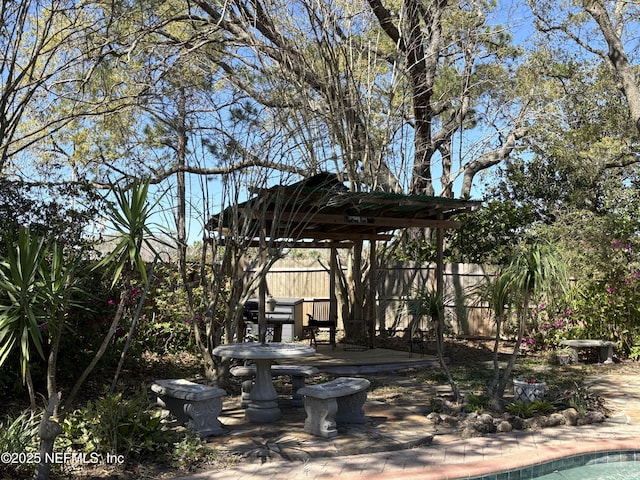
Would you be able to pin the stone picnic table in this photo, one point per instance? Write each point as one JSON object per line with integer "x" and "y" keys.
{"x": 263, "y": 400}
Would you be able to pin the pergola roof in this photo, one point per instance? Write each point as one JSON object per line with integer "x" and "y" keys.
{"x": 322, "y": 211}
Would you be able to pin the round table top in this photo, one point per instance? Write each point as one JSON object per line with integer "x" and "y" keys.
{"x": 257, "y": 351}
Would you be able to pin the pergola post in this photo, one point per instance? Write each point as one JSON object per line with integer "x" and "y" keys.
{"x": 440, "y": 280}
{"x": 373, "y": 274}
{"x": 262, "y": 289}
{"x": 333, "y": 302}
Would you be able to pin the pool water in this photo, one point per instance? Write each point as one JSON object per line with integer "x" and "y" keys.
{"x": 598, "y": 471}
{"x": 611, "y": 465}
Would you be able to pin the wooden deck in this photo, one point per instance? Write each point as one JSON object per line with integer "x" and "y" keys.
{"x": 341, "y": 361}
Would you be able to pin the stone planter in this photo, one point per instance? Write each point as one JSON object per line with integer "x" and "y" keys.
{"x": 527, "y": 392}
{"x": 270, "y": 304}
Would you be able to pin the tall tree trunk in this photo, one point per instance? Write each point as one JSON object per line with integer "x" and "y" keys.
{"x": 181, "y": 160}
{"x": 617, "y": 57}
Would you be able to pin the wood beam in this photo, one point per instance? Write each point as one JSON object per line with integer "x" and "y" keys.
{"x": 388, "y": 223}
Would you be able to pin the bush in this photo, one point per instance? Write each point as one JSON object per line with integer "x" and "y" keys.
{"x": 475, "y": 403}
{"x": 583, "y": 399}
{"x": 529, "y": 409}
{"x": 607, "y": 307}
{"x": 113, "y": 424}
{"x": 18, "y": 436}
{"x": 130, "y": 426}
{"x": 166, "y": 323}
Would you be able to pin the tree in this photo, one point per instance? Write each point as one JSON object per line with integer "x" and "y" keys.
{"x": 51, "y": 49}
{"x": 600, "y": 30}
{"x": 446, "y": 49}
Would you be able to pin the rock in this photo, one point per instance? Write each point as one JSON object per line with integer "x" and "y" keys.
{"x": 469, "y": 432}
{"x": 571, "y": 416}
{"x": 504, "y": 427}
{"x": 485, "y": 418}
{"x": 434, "y": 418}
{"x": 449, "y": 420}
{"x": 594, "y": 417}
{"x": 516, "y": 422}
{"x": 534, "y": 423}
{"x": 484, "y": 424}
{"x": 620, "y": 417}
{"x": 553, "y": 420}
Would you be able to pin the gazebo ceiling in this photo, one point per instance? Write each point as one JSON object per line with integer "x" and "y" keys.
{"x": 320, "y": 210}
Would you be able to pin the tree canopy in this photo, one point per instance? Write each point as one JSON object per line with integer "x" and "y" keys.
{"x": 465, "y": 98}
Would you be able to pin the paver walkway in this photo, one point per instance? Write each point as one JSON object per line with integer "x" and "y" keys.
{"x": 448, "y": 457}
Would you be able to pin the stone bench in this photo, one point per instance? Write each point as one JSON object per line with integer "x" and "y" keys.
{"x": 337, "y": 401}
{"x": 605, "y": 346}
{"x": 193, "y": 405}
{"x": 298, "y": 374}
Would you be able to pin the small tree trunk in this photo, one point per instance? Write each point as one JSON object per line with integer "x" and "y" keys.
{"x": 101, "y": 350}
{"x": 30, "y": 388}
{"x": 502, "y": 384}
{"x": 439, "y": 322}
{"x": 492, "y": 389}
{"x": 48, "y": 432}
{"x": 134, "y": 323}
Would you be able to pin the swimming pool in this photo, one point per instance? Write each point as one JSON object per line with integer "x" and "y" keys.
{"x": 597, "y": 471}
{"x": 611, "y": 465}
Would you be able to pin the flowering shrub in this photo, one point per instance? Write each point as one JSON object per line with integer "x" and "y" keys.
{"x": 547, "y": 328}
{"x": 166, "y": 324}
{"x": 608, "y": 307}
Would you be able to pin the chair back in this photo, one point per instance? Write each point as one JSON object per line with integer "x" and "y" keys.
{"x": 322, "y": 309}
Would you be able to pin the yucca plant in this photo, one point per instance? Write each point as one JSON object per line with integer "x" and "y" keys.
{"x": 18, "y": 435}
{"x": 130, "y": 218}
{"x": 535, "y": 270}
{"x": 430, "y": 303}
{"x": 22, "y": 300}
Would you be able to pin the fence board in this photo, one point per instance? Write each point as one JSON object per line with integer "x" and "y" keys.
{"x": 396, "y": 286}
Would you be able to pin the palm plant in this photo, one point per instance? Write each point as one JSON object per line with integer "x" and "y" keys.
{"x": 535, "y": 270}
{"x": 430, "y": 303}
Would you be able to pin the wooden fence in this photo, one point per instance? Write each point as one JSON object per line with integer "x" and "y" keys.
{"x": 397, "y": 284}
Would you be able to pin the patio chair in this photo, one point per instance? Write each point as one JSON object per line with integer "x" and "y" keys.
{"x": 320, "y": 318}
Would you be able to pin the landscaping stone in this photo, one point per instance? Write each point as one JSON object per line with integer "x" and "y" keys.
{"x": 504, "y": 427}
{"x": 553, "y": 420}
{"x": 594, "y": 417}
{"x": 434, "y": 418}
{"x": 571, "y": 416}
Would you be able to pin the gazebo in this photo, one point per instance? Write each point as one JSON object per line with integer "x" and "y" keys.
{"x": 321, "y": 212}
